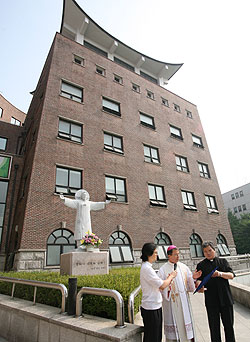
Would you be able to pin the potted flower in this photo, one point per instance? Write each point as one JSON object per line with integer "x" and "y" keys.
{"x": 91, "y": 241}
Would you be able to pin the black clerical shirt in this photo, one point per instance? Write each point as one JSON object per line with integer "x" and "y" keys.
{"x": 218, "y": 290}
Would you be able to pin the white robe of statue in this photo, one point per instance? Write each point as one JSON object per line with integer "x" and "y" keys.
{"x": 177, "y": 313}
{"x": 83, "y": 206}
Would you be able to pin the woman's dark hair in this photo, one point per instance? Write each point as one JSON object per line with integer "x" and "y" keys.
{"x": 208, "y": 244}
{"x": 147, "y": 250}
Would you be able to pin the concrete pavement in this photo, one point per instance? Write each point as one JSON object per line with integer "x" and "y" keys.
{"x": 241, "y": 316}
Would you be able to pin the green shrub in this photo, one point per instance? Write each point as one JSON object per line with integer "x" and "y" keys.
{"x": 123, "y": 280}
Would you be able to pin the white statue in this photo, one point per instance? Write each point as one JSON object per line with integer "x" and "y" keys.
{"x": 83, "y": 205}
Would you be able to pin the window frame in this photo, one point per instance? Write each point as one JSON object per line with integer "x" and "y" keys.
{"x": 145, "y": 124}
{"x": 176, "y": 136}
{"x": 1, "y": 112}
{"x": 156, "y": 202}
{"x": 5, "y": 145}
{"x": 110, "y": 110}
{"x": 113, "y": 195}
{"x": 136, "y": 88}
{"x": 71, "y": 96}
{"x": 211, "y": 204}
{"x": 162, "y": 247}
{"x": 181, "y": 167}
{"x": 204, "y": 170}
{"x": 70, "y": 136}
{"x": 112, "y": 148}
{"x": 222, "y": 245}
{"x": 150, "y": 94}
{"x": 118, "y": 79}
{"x": 189, "y": 114}
{"x": 177, "y": 108}
{"x": 152, "y": 160}
{"x": 121, "y": 235}
{"x": 200, "y": 145}
{"x": 164, "y": 102}
{"x": 188, "y": 206}
{"x": 15, "y": 121}
{"x": 69, "y": 188}
{"x": 80, "y": 59}
{"x": 3, "y": 203}
{"x": 100, "y": 70}
{"x": 198, "y": 253}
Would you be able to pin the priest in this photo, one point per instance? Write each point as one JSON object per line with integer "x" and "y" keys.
{"x": 177, "y": 313}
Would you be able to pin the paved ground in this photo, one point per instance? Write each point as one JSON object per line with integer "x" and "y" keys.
{"x": 241, "y": 316}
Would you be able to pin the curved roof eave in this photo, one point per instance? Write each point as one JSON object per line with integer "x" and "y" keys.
{"x": 73, "y": 5}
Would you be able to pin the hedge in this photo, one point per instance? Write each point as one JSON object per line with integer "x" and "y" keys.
{"x": 124, "y": 280}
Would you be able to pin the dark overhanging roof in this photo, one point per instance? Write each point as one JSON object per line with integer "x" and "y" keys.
{"x": 77, "y": 25}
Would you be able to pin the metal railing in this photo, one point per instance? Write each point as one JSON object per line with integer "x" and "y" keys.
{"x": 37, "y": 284}
{"x": 103, "y": 292}
{"x": 131, "y": 304}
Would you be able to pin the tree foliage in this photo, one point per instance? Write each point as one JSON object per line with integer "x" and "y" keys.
{"x": 241, "y": 231}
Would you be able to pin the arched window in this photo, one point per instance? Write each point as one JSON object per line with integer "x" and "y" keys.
{"x": 162, "y": 240}
{"x": 120, "y": 248}
{"x": 195, "y": 246}
{"x": 222, "y": 245}
{"x": 60, "y": 241}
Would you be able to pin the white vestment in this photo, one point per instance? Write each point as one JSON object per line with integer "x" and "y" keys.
{"x": 83, "y": 219}
{"x": 178, "y": 322}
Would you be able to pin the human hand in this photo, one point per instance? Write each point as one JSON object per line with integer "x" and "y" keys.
{"x": 216, "y": 274}
{"x": 197, "y": 274}
{"x": 173, "y": 274}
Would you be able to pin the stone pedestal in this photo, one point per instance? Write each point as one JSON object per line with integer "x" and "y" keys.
{"x": 84, "y": 263}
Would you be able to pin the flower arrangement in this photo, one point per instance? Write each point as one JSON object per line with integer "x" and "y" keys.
{"x": 91, "y": 239}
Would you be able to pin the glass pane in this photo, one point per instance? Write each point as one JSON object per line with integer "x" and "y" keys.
{"x": 221, "y": 250}
{"x": 184, "y": 197}
{"x": 115, "y": 235}
{"x": 107, "y": 139}
{"x": 117, "y": 142}
{"x": 151, "y": 190}
{"x": 68, "y": 248}
{"x": 159, "y": 193}
{"x": 177, "y": 159}
{"x": 154, "y": 153}
{"x": 115, "y": 254}
{"x": 183, "y": 162}
{"x": 75, "y": 179}
{"x": 61, "y": 176}
{"x": 72, "y": 89}
{"x": 71, "y": 239}
{"x": 3, "y": 191}
{"x": 110, "y": 185}
{"x": 51, "y": 239}
{"x": 57, "y": 233}
{"x": 161, "y": 253}
{"x": 212, "y": 201}
{"x": 111, "y": 105}
{"x": 2, "y": 208}
{"x": 226, "y": 249}
{"x": 199, "y": 251}
{"x": 196, "y": 140}
{"x": 3, "y": 142}
{"x": 207, "y": 201}
{"x": 146, "y": 151}
{"x": 175, "y": 131}
{"x": 76, "y": 130}
{"x": 53, "y": 257}
{"x": 66, "y": 233}
{"x": 193, "y": 251}
{"x": 118, "y": 241}
{"x": 190, "y": 198}
{"x": 1, "y": 230}
{"x": 146, "y": 119}
{"x": 166, "y": 249}
{"x": 127, "y": 255}
{"x": 61, "y": 240}
{"x": 64, "y": 127}
{"x": 120, "y": 187}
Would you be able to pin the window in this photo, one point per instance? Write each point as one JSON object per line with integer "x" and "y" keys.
{"x": 72, "y": 92}
{"x": 181, "y": 164}
{"x": 1, "y": 112}
{"x": 113, "y": 143}
{"x": 3, "y": 143}
{"x": 156, "y": 195}
{"x": 135, "y": 87}
{"x": 211, "y": 204}
{"x": 70, "y": 131}
{"x": 222, "y": 245}
{"x": 79, "y": 60}
{"x": 14, "y": 121}
{"x": 195, "y": 245}
{"x": 5, "y": 167}
{"x": 118, "y": 79}
{"x": 120, "y": 248}
{"x": 235, "y": 210}
{"x": 164, "y": 102}
{"x": 115, "y": 189}
{"x": 176, "y": 132}
{"x": 111, "y": 106}
{"x": 237, "y": 195}
{"x": 3, "y": 197}
{"x": 189, "y": 114}
{"x": 177, "y": 108}
{"x": 150, "y": 95}
{"x": 151, "y": 154}
{"x": 60, "y": 241}
{"x": 162, "y": 241}
{"x": 188, "y": 200}
{"x": 95, "y": 48}
{"x": 147, "y": 120}
{"x": 100, "y": 70}
{"x": 197, "y": 141}
{"x": 68, "y": 181}
{"x": 124, "y": 64}
{"x": 148, "y": 77}
{"x": 241, "y": 193}
{"x": 232, "y": 196}
{"x": 239, "y": 208}
{"x": 203, "y": 168}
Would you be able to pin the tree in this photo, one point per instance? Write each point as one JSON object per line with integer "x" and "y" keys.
{"x": 241, "y": 231}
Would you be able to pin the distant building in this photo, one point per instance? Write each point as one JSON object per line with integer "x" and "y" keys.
{"x": 238, "y": 200}
{"x": 10, "y": 114}
{"x": 101, "y": 119}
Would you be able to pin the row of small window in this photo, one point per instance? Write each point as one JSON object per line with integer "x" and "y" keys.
{"x": 237, "y": 195}
{"x": 68, "y": 181}
{"x": 120, "y": 248}
{"x": 240, "y": 208}
{"x": 135, "y": 87}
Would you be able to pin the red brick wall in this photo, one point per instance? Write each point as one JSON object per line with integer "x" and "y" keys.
{"x": 9, "y": 110}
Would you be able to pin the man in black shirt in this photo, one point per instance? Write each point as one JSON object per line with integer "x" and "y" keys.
{"x": 218, "y": 297}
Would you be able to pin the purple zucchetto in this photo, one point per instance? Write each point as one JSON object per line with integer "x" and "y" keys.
{"x": 171, "y": 247}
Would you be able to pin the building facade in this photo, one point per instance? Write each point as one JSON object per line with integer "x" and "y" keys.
{"x": 101, "y": 119}
{"x": 238, "y": 200}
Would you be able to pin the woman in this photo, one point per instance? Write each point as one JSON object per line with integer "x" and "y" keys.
{"x": 151, "y": 284}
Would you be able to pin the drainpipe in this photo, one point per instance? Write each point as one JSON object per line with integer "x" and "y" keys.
{"x": 10, "y": 216}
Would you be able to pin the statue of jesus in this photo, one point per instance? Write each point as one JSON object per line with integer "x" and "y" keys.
{"x": 83, "y": 206}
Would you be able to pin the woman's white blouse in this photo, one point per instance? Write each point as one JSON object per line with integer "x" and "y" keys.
{"x": 150, "y": 284}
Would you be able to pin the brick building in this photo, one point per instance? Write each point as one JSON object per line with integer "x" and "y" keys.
{"x": 101, "y": 119}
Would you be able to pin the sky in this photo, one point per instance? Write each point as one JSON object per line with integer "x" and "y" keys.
{"x": 211, "y": 38}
